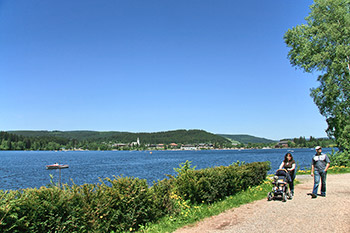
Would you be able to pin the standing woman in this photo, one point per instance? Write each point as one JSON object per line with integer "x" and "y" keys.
{"x": 289, "y": 164}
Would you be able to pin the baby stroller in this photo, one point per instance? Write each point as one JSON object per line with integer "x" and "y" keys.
{"x": 280, "y": 186}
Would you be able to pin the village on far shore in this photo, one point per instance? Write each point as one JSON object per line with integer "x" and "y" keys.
{"x": 190, "y": 147}
{"x": 184, "y": 140}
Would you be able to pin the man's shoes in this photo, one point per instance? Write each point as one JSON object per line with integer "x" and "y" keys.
{"x": 313, "y": 195}
{"x": 322, "y": 195}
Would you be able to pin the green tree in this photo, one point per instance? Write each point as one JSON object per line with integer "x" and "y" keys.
{"x": 322, "y": 45}
{"x": 9, "y": 145}
{"x": 4, "y": 145}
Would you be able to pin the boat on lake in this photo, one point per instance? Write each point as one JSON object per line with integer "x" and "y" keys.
{"x": 57, "y": 166}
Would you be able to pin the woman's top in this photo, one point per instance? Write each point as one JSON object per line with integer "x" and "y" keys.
{"x": 288, "y": 165}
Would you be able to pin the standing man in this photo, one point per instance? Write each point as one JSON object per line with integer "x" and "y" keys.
{"x": 319, "y": 167}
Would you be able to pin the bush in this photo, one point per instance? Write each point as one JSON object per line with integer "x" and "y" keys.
{"x": 162, "y": 192}
{"x": 340, "y": 158}
{"x": 127, "y": 204}
{"x": 123, "y": 203}
{"x": 212, "y": 184}
{"x": 39, "y": 210}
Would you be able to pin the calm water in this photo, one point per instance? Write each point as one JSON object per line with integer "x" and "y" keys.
{"x": 26, "y": 169}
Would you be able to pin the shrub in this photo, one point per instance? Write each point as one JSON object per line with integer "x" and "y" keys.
{"x": 162, "y": 191}
{"x": 126, "y": 204}
{"x": 340, "y": 158}
{"x": 39, "y": 210}
{"x": 211, "y": 184}
{"x": 123, "y": 203}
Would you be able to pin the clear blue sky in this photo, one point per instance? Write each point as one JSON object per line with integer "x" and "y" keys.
{"x": 154, "y": 65}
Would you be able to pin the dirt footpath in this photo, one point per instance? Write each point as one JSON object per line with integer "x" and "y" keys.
{"x": 302, "y": 214}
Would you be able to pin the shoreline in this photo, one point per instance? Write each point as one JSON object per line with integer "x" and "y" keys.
{"x": 223, "y": 149}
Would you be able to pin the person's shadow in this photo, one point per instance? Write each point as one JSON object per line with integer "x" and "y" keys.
{"x": 314, "y": 196}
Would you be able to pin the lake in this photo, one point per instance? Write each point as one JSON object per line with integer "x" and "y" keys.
{"x": 26, "y": 169}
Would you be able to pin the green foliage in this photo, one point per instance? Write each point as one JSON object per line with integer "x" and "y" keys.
{"x": 322, "y": 45}
{"x": 123, "y": 203}
{"x": 127, "y": 203}
{"x": 93, "y": 140}
{"x": 211, "y": 184}
{"x": 178, "y": 136}
{"x": 184, "y": 167}
{"x": 164, "y": 204}
{"x": 17, "y": 142}
{"x": 340, "y": 158}
{"x": 311, "y": 142}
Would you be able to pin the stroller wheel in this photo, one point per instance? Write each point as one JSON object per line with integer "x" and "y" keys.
{"x": 284, "y": 197}
{"x": 269, "y": 196}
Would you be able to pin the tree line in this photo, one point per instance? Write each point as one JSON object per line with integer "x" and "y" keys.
{"x": 12, "y": 141}
{"x": 302, "y": 142}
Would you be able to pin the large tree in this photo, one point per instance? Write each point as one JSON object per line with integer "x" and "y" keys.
{"x": 322, "y": 45}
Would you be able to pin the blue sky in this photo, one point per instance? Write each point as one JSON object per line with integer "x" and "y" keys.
{"x": 158, "y": 65}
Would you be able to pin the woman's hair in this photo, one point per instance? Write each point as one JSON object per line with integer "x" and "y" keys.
{"x": 286, "y": 159}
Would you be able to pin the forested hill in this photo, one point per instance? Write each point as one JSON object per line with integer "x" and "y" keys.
{"x": 77, "y": 135}
{"x": 245, "y": 139}
{"x": 176, "y": 136}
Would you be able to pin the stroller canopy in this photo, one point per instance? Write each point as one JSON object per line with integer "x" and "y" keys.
{"x": 284, "y": 173}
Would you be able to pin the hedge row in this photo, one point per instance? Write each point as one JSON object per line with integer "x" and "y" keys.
{"x": 122, "y": 203}
{"x": 212, "y": 184}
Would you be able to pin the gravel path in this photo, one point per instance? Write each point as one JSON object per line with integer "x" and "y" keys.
{"x": 302, "y": 214}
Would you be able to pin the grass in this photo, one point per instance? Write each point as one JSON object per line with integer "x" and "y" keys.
{"x": 190, "y": 214}
{"x": 331, "y": 170}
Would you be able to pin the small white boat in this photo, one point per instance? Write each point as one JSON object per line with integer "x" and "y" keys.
{"x": 57, "y": 166}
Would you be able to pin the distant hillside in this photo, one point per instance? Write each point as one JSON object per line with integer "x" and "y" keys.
{"x": 177, "y": 136}
{"x": 245, "y": 139}
{"x": 78, "y": 134}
